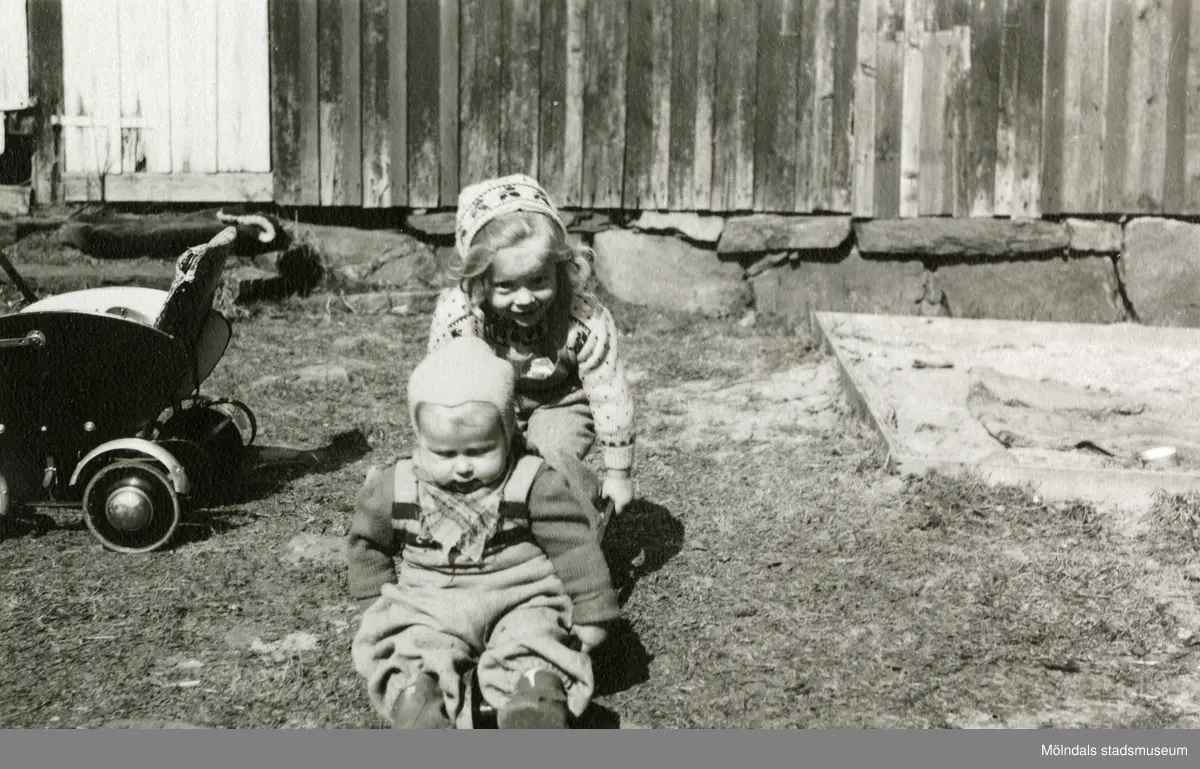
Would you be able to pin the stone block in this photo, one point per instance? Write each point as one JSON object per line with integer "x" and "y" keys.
{"x": 1078, "y": 290}
{"x": 1097, "y": 237}
{"x": 852, "y": 284}
{"x": 1159, "y": 266}
{"x": 439, "y": 223}
{"x": 340, "y": 246}
{"x": 668, "y": 273}
{"x": 773, "y": 232}
{"x": 937, "y": 236}
{"x": 702, "y": 229}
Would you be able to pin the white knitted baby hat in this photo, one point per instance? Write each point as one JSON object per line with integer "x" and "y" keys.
{"x": 482, "y": 202}
{"x": 465, "y": 370}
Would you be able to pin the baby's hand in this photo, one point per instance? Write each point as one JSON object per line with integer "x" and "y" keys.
{"x": 590, "y": 635}
{"x": 619, "y": 489}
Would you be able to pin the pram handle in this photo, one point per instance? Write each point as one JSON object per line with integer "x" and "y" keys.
{"x": 34, "y": 339}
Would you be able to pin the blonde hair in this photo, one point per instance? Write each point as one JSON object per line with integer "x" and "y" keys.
{"x": 573, "y": 263}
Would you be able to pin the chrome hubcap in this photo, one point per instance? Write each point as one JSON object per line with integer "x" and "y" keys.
{"x": 129, "y": 508}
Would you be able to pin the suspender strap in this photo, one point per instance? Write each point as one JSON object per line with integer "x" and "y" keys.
{"x": 513, "y": 504}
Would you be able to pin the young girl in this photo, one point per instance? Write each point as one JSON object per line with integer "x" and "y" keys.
{"x": 524, "y": 289}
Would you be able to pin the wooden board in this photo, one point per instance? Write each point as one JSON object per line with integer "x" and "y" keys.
{"x": 172, "y": 188}
{"x": 911, "y": 104}
{"x": 604, "y": 104}
{"x": 734, "y": 108}
{"x": 865, "y": 102}
{"x": 448, "y": 117}
{"x": 91, "y": 80}
{"x": 193, "y": 87}
{"x": 573, "y": 141}
{"x": 295, "y": 125}
{"x": 684, "y": 96}
{"x": 1191, "y": 203}
{"x": 145, "y": 88}
{"x": 339, "y": 95}
{"x": 983, "y": 102}
{"x": 384, "y": 127}
{"x": 956, "y": 54}
{"x": 243, "y": 76}
{"x": 935, "y": 153}
{"x": 888, "y": 131}
{"x": 647, "y": 105}
{"x": 1053, "y": 108}
{"x": 1175, "y": 146}
{"x": 520, "y": 84}
{"x": 841, "y": 174}
{"x": 424, "y": 102}
{"x": 46, "y": 85}
{"x": 824, "y": 53}
{"x": 802, "y": 18}
{"x": 1006, "y": 111}
{"x": 479, "y": 97}
{"x": 775, "y": 148}
{"x": 944, "y": 155}
{"x": 706, "y": 83}
{"x": 1082, "y": 165}
{"x": 1027, "y": 169}
{"x": 552, "y": 98}
{"x": 1146, "y": 108}
{"x": 1119, "y": 31}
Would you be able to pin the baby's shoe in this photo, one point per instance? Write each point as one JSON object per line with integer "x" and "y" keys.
{"x": 421, "y": 706}
{"x": 539, "y": 702}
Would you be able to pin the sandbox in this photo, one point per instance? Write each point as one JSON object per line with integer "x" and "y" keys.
{"x": 1068, "y": 408}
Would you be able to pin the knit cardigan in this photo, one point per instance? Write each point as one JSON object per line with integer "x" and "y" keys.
{"x": 591, "y": 342}
{"x": 558, "y": 521}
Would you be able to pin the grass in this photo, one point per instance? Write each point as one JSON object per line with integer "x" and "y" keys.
{"x": 779, "y": 584}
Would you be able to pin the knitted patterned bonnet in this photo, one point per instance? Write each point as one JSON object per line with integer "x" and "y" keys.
{"x": 465, "y": 370}
{"x": 482, "y": 202}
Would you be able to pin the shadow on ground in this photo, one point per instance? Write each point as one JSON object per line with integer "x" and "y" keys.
{"x": 271, "y": 468}
{"x": 639, "y": 542}
{"x": 203, "y": 525}
{"x": 28, "y": 522}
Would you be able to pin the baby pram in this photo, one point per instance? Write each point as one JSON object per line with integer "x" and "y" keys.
{"x": 100, "y": 407}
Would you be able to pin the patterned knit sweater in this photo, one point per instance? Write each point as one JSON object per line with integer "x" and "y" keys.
{"x": 588, "y": 358}
{"x": 558, "y": 521}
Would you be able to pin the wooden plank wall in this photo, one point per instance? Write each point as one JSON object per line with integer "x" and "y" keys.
{"x": 879, "y": 108}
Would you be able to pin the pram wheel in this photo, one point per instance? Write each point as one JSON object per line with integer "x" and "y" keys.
{"x": 216, "y": 446}
{"x": 131, "y": 507}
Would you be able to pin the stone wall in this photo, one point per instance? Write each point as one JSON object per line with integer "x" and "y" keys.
{"x": 1097, "y": 271}
{"x": 1081, "y": 270}
{"x": 1093, "y": 271}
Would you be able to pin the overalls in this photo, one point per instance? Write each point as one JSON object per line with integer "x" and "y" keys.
{"x": 504, "y": 615}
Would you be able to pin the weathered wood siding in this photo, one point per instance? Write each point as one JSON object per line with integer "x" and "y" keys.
{"x": 879, "y": 108}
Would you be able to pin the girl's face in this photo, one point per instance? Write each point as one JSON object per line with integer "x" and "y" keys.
{"x": 463, "y": 448}
{"x": 524, "y": 282}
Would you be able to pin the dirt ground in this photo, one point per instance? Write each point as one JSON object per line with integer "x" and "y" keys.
{"x": 772, "y": 573}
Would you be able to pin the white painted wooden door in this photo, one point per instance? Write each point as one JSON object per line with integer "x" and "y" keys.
{"x": 165, "y": 87}
{"x": 14, "y": 60}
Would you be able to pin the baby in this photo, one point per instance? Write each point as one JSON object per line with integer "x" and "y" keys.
{"x": 500, "y": 569}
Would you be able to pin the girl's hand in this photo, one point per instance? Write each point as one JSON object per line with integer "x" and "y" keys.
{"x": 619, "y": 489}
{"x": 590, "y": 636}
